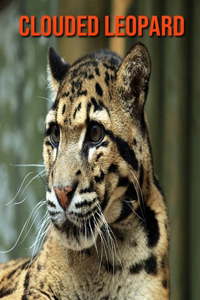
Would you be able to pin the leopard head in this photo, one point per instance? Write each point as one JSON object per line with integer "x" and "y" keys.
{"x": 96, "y": 146}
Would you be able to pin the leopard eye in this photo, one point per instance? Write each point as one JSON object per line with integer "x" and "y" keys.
{"x": 95, "y": 132}
{"x": 55, "y": 135}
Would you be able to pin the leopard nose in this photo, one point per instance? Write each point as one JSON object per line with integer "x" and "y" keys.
{"x": 64, "y": 195}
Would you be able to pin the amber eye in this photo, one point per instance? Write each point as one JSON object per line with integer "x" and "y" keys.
{"x": 95, "y": 132}
{"x": 55, "y": 135}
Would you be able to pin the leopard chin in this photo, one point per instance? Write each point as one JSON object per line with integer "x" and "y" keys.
{"x": 81, "y": 234}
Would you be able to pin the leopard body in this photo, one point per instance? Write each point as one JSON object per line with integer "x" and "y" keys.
{"x": 108, "y": 237}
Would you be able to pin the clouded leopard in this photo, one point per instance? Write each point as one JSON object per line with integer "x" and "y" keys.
{"x": 108, "y": 234}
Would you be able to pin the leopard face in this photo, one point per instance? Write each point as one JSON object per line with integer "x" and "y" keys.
{"x": 96, "y": 147}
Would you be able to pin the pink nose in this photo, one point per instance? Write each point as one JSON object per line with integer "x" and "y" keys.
{"x": 63, "y": 196}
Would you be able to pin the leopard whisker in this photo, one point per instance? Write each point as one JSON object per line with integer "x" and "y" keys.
{"x": 43, "y": 78}
{"x": 93, "y": 237}
{"x": 102, "y": 244}
{"x": 108, "y": 241}
{"x": 44, "y": 98}
{"x": 35, "y": 209}
{"x": 44, "y": 228}
{"x": 141, "y": 200}
{"x": 103, "y": 248}
{"x": 34, "y": 214}
{"x": 127, "y": 201}
{"x": 41, "y": 224}
{"x": 110, "y": 236}
{"x": 27, "y": 165}
{"x": 20, "y": 188}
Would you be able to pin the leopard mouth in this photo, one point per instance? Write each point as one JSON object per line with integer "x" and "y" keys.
{"x": 79, "y": 224}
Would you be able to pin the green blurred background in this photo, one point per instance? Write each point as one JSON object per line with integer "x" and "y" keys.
{"x": 173, "y": 109}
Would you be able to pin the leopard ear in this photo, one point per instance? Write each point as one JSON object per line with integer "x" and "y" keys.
{"x": 133, "y": 77}
{"x": 57, "y": 69}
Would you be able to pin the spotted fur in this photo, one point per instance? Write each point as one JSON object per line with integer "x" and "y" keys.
{"x": 108, "y": 236}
